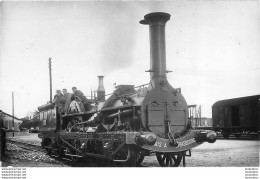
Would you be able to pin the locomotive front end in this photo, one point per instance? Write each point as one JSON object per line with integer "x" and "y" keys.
{"x": 164, "y": 109}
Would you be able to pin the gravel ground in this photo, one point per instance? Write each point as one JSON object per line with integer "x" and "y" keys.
{"x": 18, "y": 157}
{"x": 31, "y": 138}
{"x": 222, "y": 153}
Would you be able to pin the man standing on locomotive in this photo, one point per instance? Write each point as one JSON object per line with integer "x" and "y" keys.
{"x": 67, "y": 97}
{"x": 59, "y": 101}
{"x": 78, "y": 94}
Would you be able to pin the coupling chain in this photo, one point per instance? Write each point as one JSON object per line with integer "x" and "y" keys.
{"x": 172, "y": 140}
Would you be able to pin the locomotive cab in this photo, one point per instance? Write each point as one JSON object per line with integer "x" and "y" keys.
{"x": 49, "y": 118}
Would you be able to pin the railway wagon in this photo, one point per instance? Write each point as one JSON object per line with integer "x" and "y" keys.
{"x": 237, "y": 116}
{"x": 31, "y": 125}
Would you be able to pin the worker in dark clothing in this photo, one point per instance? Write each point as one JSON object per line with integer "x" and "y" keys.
{"x": 77, "y": 94}
{"x": 59, "y": 101}
{"x": 67, "y": 97}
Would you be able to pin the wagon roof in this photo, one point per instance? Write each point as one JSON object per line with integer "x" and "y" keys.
{"x": 9, "y": 115}
{"x": 237, "y": 101}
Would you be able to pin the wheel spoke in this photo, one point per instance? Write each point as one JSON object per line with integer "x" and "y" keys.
{"x": 174, "y": 158}
{"x": 163, "y": 158}
{"x": 171, "y": 161}
{"x": 167, "y": 161}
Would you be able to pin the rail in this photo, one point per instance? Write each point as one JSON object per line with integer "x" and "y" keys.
{"x": 27, "y": 146}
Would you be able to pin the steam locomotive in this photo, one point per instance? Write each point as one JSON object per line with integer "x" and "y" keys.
{"x": 133, "y": 122}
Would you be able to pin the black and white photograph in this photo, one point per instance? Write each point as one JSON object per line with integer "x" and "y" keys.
{"x": 128, "y": 88}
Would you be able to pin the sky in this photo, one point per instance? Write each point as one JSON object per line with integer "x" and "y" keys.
{"x": 212, "y": 47}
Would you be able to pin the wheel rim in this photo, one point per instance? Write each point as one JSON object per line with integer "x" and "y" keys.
{"x": 169, "y": 159}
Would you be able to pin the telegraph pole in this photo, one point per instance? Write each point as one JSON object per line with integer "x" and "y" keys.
{"x": 13, "y": 110}
{"x": 91, "y": 93}
{"x": 50, "y": 79}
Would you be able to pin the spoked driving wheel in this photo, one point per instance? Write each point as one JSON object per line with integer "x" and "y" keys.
{"x": 169, "y": 159}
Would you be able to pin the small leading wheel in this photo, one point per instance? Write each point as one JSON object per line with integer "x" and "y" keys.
{"x": 130, "y": 153}
{"x": 133, "y": 157}
{"x": 139, "y": 158}
{"x": 169, "y": 159}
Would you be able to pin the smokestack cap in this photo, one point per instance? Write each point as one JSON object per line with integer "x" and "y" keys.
{"x": 155, "y": 15}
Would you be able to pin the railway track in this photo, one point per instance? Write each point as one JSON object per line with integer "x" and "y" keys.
{"x": 87, "y": 162}
{"x": 26, "y": 146}
{"x": 32, "y": 147}
{"x": 37, "y": 150}
{"x": 219, "y": 155}
{"x": 242, "y": 137}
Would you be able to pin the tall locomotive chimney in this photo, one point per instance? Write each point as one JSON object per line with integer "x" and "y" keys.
{"x": 101, "y": 89}
{"x": 156, "y": 22}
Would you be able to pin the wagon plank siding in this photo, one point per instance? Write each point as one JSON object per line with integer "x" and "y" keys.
{"x": 237, "y": 115}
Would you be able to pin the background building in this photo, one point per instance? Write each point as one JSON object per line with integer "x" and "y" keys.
{"x": 8, "y": 121}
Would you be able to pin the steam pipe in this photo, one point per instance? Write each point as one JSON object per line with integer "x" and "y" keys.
{"x": 156, "y": 22}
{"x": 101, "y": 89}
{"x": 122, "y": 113}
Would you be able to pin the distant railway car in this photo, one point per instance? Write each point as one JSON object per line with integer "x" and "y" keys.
{"x": 31, "y": 125}
{"x": 237, "y": 116}
{"x": 10, "y": 123}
